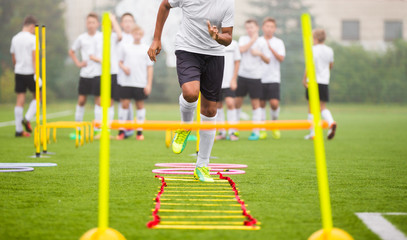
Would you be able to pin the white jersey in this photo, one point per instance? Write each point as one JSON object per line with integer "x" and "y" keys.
{"x": 232, "y": 54}
{"x": 134, "y": 56}
{"x": 323, "y": 57}
{"x": 87, "y": 46}
{"x": 22, "y": 46}
{"x": 193, "y": 35}
{"x": 114, "y": 60}
{"x": 271, "y": 71}
{"x": 251, "y": 66}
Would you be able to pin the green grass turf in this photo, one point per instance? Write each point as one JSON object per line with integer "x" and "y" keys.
{"x": 366, "y": 165}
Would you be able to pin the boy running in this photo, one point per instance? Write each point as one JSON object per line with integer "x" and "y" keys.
{"x": 206, "y": 27}
{"x": 271, "y": 77}
{"x": 229, "y": 84}
{"x": 89, "y": 82}
{"x": 324, "y": 61}
{"x": 250, "y": 72}
{"x": 23, "y": 56}
{"x": 138, "y": 80}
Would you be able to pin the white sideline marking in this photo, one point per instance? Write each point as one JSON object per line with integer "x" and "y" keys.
{"x": 49, "y": 116}
{"x": 381, "y": 226}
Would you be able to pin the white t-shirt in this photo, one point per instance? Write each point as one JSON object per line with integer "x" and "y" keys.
{"x": 232, "y": 54}
{"x": 114, "y": 61}
{"x": 251, "y": 66}
{"x": 134, "y": 56}
{"x": 87, "y": 45}
{"x": 323, "y": 57}
{"x": 272, "y": 73}
{"x": 22, "y": 46}
{"x": 193, "y": 35}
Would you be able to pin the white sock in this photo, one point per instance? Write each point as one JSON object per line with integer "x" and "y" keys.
{"x": 18, "y": 116}
{"x": 238, "y": 111}
{"x": 80, "y": 111}
{"x": 131, "y": 112}
{"x": 32, "y": 109}
{"x": 187, "y": 109}
{"x": 206, "y": 142}
{"x": 231, "y": 117}
{"x": 98, "y": 113}
{"x": 256, "y": 119}
{"x": 111, "y": 113}
{"x": 263, "y": 114}
{"x": 275, "y": 113}
{"x": 141, "y": 116}
{"x": 221, "y": 119}
{"x": 326, "y": 114}
{"x": 123, "y": 115}
{"x": 310, "y": 118}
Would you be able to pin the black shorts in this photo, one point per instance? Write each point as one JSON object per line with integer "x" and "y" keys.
{"x": 96, "y": 86}
{"x": 226, "y": 92}
{"x": 115, "y": 91}
{"x": 270, "y": 91}
{"x": 132, "y": 93}
{"x": 24, "y": 82}
{"x": 323, "y": 92}
{"x": 206, "y": 69}
{"x": 248, "y": 85}
{"x": 85, "y": 86}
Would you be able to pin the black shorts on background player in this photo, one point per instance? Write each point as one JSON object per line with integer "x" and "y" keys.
{"x": 323, "y": 93}
{"x": 115, "y": 92}
{"x": 24, "y": 82}
{"x": 85, "y": 86}
{"x": 96, "y": 86}
{"x": 249, "y": 85}
{"x": 226, "y": 92}
{"x": 132, "y": 93}
{"x": 270, "y": 91}
{"x": 204, "y": 68}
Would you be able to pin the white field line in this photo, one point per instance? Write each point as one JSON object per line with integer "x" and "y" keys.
{"x": 381, "y": 226}
{"x": 49, "y": 116}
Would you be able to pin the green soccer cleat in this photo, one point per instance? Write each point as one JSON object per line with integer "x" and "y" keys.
{"x": 254, "y": 137}
{"x": 276, "y": 134}
{"x": 180, "y": 140}
{"x": 263, "y": 135}
{"x": 203, "y": 174}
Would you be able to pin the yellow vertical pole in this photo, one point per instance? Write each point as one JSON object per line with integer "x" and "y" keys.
{"x": 105, "y": 139}
{"x": 318, "y": 139}
{"x": 198, "y": 119}
{"x": 37, "y": 92}
{"x": 44, "y": 92}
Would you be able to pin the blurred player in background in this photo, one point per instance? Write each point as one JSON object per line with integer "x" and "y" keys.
{"x": 250, "y": 72}
{"x": 324, "y": 61}
{"x": 23, "y": 56}
{"x": 271, "y": 77}
{"x": 89, "y": 81}
{"x": 229, "y": 85}
{"x": 138, "y": 79}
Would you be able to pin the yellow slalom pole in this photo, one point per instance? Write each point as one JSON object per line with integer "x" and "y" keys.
{"x": 322, "y": 175}
{"x": 44, "y": 92}
{"x": 37, "y": 92}
{"x": 198, "y": 119}
{"x": 103, "y": 231}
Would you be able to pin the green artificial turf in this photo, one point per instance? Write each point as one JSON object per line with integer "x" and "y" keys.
{"x": 366, "y": 162}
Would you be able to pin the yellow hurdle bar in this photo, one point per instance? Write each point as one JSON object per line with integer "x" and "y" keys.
{"x": 44, "y": 92}
{"x": 207, "y": 227}
{"x": 105, "y": 136}
{"x": 37, "y": 93}
{"x": 318, "y": 139}
{"x": 244, "y": 125}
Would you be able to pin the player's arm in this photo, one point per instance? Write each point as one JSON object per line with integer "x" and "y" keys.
{"x": 125, "y": 69}
{"x": 95, "y": 59}
{"x": 279, "y": 57}
{"x": 233, "y": 82}
{"x": 263, "y": 57}
{"x": 331, "y": 65}
{"x": 246, "y": 47}
{"x": 13, "y": 58}
{"x": 116, "y": 27}
{"x": 304, "y": 80}
{"x": 224, "y": 38}
{"x": 162, "y": 15}
{"x": 76, "y": 60}
{"x": 150, "y": 73}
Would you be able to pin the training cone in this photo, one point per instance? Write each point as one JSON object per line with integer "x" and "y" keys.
{"x": 334, "y": 234}
{"x": 108, "y": 234}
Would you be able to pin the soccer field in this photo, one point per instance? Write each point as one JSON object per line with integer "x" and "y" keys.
{"x": 367, "y": 168}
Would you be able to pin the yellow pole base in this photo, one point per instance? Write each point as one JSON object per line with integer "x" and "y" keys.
{"x": 108, "y": 234}
{"x": 334, "y": 234}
